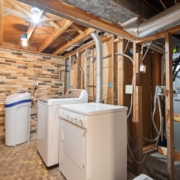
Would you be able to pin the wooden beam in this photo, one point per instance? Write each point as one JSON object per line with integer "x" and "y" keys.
{"x": 78, "y": 72}
{"x": 78, "y": 16}
{"x": 163, "y": 151}
{"x": 169, "y": 107}
{"x": 32, "y": 27}
{"x": 1, "y": 22}
{"x": 77, "y": 29}
{"x": 73, "y": 41}
{"x": 86, "y": 46}
{"x": 54, "y": 35}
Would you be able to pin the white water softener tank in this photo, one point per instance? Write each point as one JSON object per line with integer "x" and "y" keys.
{"x": 17, "y": 118}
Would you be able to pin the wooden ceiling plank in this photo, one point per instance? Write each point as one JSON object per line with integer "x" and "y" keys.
{"x": 78, "y": 16}
{"x": 74, "y": 41}
{"x": 1, "y": 22}
{"x": 55, "y": 34}
{"x": 77, "y": 29}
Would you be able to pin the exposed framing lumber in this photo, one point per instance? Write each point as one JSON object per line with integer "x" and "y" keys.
{"x": 1, "y": 22}
{"x": 78, "y": 29}
{"x": 86, "y": 46}
{"x": 24, "y": 11}
{"x": 78, "y": 73}
{"x": 73, "y": 41}
{"x": 163, "y": 151}
{"x": 120, "y": 72}
{"x": 54, "y": 35}
{"x": 169, "y": 107}
{"x": 137, "y": 108}
{"x": 78, "y": 16}
{"x": 32, "y": 27}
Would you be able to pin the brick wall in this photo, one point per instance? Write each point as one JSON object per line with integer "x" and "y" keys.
{"x": 17, "y": 69}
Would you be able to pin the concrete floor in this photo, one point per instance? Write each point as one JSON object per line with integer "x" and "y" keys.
{"x": 22, "y": 162}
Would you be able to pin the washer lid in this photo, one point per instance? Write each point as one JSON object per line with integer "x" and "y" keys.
{"x": 93, "y": 108}
{"x": 18, "y": 96}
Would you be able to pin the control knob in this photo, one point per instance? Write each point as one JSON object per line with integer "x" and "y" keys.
{"x": 81, "y": 121}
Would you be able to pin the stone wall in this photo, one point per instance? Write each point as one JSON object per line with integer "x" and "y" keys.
{"x": 17, "y": 70}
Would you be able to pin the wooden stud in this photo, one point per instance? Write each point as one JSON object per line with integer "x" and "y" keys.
{"x": 1, "y": 22}
{"x": 120, "y": 71}
{"x": 77, "y": 29}
{"x": 54, "y": 35}
{"x": 78, "y": 72}
{"x": 169, "y": 107}
{"x": 73, "y": 41}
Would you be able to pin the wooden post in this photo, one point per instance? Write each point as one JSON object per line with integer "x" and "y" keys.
{"x": 1, "y": 22}
{"x": 169, "y": 107}
{"x": 78, "y": 72}
{"x": 137, "y": 109}
{"x": 120, "y": 78}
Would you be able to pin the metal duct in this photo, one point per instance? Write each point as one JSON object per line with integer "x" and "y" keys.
{"x": 98, "y": 44}
{"x": 161, "y": 22}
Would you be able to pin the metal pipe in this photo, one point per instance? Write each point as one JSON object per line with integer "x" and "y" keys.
{"x": 161, "y": 22}
{"x": 98, "y": 44}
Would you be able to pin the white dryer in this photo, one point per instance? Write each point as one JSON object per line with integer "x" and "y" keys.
{"x": 93, "y": 142}
{"x": 48, "y": 123}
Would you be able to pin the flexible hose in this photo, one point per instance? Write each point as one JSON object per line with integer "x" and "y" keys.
{"x": 156, "y": 97}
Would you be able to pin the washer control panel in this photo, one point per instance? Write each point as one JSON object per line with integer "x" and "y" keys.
{"x": 74, "y": 118}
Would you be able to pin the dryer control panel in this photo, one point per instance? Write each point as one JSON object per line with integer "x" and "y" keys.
{"x": 78, "y": 119}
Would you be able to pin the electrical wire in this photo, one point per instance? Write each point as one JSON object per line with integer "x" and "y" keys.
{"x": 156, "y": 97}
{"x": 125, "y": 55}
{"x": 162, "y": 4}
{"x": 146, "y": 51}
{"x": 151, "y": 6}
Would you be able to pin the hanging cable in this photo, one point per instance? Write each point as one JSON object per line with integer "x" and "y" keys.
{"x": 146, "y": 51}
{"x": 162, "y": 4}
{"x": 125, "y": 55}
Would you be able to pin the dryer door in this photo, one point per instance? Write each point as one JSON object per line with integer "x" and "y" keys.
{"x": 72, "y": 142}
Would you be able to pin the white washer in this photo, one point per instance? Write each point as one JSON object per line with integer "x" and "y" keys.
{"x": 48, "y": 123}
{"x": 93, "y": 142}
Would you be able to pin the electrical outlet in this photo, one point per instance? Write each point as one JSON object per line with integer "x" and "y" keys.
{"x": 129, "y": 89}
{"x": 161, "y": 90}
{"x": 142, "y": 68}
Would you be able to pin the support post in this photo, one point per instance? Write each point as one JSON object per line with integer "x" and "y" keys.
{"x": 169, "y": 107}
{"x": 137, "y": 109}
{"x": 1, "y": 22}
{"x": 78, "y": 72}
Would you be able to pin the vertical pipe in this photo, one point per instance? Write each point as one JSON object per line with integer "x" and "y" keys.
{"x": 98, "y": 44}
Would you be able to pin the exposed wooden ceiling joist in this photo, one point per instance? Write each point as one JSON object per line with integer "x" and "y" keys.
{"x": 78, "y": 16}
{"x": 78, "y": 29}
{"x": 55, "y": 34}
{"x": 1, "y": 22}
{"x": 74, "y": 41}
{"x": 32, "y": 27}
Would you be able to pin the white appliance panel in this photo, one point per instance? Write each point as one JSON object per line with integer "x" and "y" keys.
{"x": 105, "y": 144}
{"x": 48, "y": 124}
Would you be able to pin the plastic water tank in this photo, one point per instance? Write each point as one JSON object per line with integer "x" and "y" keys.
{"x": 17, "y": 118}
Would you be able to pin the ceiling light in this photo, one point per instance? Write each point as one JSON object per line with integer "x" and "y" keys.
{"x": 24, "y": 43}
{"x": 36, "y": 14}
{"x": 24, "y": 40}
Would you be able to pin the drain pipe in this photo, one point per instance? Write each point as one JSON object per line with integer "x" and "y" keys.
{"x": 98, "y": 44}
